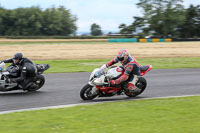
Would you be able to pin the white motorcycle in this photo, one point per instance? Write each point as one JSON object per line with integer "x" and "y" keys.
{"x": 98, "y": 84}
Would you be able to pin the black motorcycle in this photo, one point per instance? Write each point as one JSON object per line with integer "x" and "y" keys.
{"x": 12, "y": 71}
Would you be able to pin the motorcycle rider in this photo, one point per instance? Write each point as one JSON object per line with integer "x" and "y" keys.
{"x": 26, "y": 69}
{"x": 130, "y": 66}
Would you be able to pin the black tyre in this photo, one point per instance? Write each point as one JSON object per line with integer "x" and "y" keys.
{"x": 39, "y": 82}
{"x": 86, "y": 93}
{"x": 141, "y": 84}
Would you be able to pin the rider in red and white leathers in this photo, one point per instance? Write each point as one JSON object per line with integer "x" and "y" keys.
{"x": 131, "y": 69}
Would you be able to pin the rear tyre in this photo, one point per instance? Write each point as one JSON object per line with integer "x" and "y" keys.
{"x": 86, "y": 93}
{"x": 141, "y": 85}
{"x": 37, "y": 84}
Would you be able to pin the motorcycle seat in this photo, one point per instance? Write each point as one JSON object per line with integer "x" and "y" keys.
{"x": 144, "y": 68}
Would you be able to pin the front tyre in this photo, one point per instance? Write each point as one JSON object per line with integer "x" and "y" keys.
{"x": 86, "y": 92}
{"x": 141, "y": 85}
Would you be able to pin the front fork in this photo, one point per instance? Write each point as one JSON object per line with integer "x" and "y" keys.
{"x": 94, "y": 90}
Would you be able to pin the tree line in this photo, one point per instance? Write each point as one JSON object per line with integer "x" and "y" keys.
{"x": 34, "y": 21}
{"x": 165, "y": 18}
{"x": 160, "y": 18}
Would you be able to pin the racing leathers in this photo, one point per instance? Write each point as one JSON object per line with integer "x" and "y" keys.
{"x": 131, "y": 71}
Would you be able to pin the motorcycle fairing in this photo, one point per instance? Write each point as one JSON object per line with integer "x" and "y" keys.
{"x": 108, "y": 89}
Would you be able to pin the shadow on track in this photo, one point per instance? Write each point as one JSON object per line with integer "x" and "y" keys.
{"x": 113, "y": 99}
{"x": 19, "y": 93}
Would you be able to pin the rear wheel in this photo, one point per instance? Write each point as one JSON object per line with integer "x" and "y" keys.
{"x": 141, "y": 86}
{"x": 86, "y": 93}
{"x": 37, "y": 84}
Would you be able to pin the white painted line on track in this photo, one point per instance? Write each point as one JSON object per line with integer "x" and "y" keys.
{"x": 72, "y": 105}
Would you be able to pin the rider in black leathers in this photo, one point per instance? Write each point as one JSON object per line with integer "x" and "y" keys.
{"x": 26, "y": 70}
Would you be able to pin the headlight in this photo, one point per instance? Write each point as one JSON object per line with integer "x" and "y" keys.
{"x": 98, "y": 82}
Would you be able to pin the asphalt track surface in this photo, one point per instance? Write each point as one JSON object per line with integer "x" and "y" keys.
{"x": 64, "y": 88}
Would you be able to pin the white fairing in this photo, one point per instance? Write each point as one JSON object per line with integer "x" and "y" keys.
{"x": 94, "y": 71}
{"x": 114, "y": 72}
{"x": 92, "y": 75}
{"x": 2, "y": 66}
{"x": 3, "y": 69}
{"x": 100, "y": 80}
{"x": 101, "y": 75}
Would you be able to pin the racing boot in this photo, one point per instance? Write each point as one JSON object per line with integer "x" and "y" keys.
{"x": 132, "y": 88}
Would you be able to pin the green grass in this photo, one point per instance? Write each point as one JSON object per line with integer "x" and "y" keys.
{"x": 174, "y": 115}
{"x": 62, "y": 66}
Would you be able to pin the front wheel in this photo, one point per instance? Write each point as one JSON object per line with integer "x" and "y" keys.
{"x": 141, "y": 85}
{"x": 86, "y": 93}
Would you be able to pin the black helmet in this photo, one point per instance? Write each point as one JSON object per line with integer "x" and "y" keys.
{"x": 18, "y": 56}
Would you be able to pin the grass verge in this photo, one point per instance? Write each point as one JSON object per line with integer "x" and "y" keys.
{"x": 173, "y": 115}
{"x": 62, "y": 66}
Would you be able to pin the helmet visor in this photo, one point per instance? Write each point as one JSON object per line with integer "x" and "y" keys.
{"x": 120, "y": 58}
{"x": 16, "y": 61}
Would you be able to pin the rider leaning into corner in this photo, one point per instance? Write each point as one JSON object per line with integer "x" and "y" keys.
{"x": 25, "y": 67}
{"x": 130, "y": 66}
